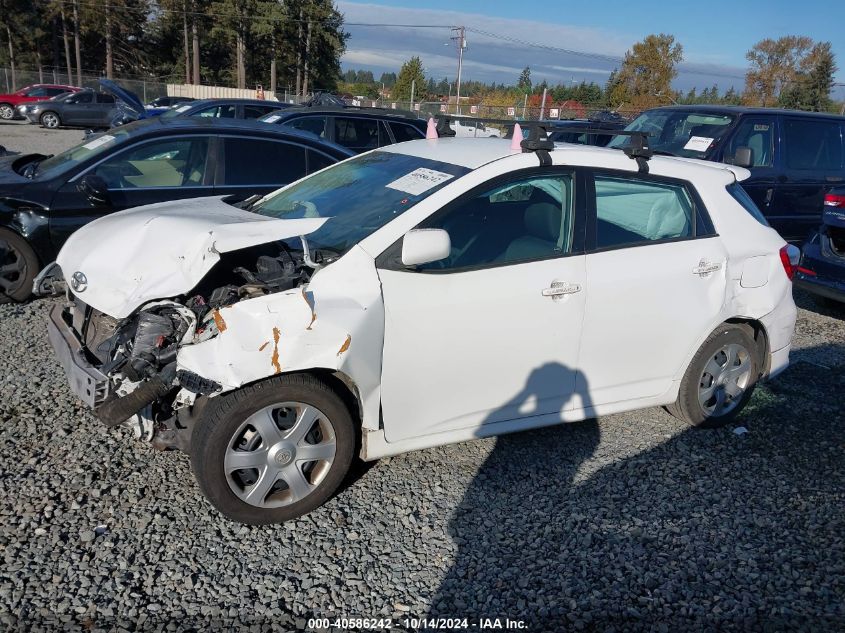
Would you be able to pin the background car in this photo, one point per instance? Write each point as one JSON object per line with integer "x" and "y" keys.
{"x": 30, "y": 94}
{"x": 822, "y": 267}
{"x": 136, "y": 164}
{"x": 85, "y": 108}
{"x": 359, "y": 129}
{"x": 472, "y": 127}
{"x": 794, "y": 157}
{"x": 227, "y": 108}
{"x": 168, "y": 102}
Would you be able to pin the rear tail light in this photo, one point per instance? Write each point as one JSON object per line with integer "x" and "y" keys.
{"x": 790, "y": 255}
{"x": 834, "y": 200}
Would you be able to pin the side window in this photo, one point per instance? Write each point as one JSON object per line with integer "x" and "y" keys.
{"x": 519, "y": 221}
{"x": 251, "y": 161}
{"x": 357, "y": 134}
{"x": 318, "y": 160}
{"x": 55, "y": 92}
{"x": 813, "y": 144}
{"x": 218, "y": 112}
{"x": 314, "y": 124}
{"x": 632, "y": 211}
{"x": 104, "y": 98}
{"x": 758, "y": 135}
{"x": 164, "y": 163}
{"x": 403, "y": 132}
{"x": 38, "y": 92}
{"x": 83, "y": 97}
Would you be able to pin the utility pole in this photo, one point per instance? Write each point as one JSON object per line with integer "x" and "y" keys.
{"x": 543, "y": 104}
{"x": 460, "y": 38}
{"x": 413, "y": 85}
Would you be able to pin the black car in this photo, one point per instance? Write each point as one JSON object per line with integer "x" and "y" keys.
{"x": 795, "y": 157}
{"x": 821, "y": 270}
{"x": 359, "y": 129}
{"x": 226, "y": 108}
{"x": 167, "y": 102}
{"x": 45, "y": 199}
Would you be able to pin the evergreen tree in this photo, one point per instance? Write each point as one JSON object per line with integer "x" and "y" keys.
{"x": 412, "y": 71}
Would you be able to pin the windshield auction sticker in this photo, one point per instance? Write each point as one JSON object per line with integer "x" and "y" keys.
{"x": 99, "y": 142}
{"x": 698, "y": 143}
{"x": 419, "y": 181}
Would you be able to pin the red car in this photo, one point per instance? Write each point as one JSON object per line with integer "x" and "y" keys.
{"x": 30, "y": 94}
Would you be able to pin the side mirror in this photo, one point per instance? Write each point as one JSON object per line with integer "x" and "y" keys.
{"x": 742, "y": 157}
{"x": 423, "y": 246}
{"x": 95, "y": 189}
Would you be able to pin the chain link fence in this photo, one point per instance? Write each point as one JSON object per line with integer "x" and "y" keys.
{"x": 146, "y": 89}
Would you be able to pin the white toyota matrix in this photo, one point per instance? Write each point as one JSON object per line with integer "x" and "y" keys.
{"x": 429, "y": 292}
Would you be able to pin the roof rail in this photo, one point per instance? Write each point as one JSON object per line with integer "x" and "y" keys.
{"x": 538, "y": 136}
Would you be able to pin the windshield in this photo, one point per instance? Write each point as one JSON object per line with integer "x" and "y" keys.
{"x": 680, "y": 133}
{"x": 359, "y": 196}
{"x": 93, "y": 146}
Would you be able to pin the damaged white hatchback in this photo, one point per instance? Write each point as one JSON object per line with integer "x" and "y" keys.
{"x": 426, "y": 293}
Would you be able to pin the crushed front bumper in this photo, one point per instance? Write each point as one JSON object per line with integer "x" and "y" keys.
{"x": 86, "y": 381}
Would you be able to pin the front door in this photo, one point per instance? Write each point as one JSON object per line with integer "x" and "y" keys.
{"x": 490, "y": 333}
{"x": 148, "y": 172}
{"x": 656, "y": 279}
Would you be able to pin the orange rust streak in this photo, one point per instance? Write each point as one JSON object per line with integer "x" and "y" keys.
{"x": 266, "y": 343}
{"x": 218, "y": 321}
{"x": 345, "y": 345}
{"x": 274, "y": 359}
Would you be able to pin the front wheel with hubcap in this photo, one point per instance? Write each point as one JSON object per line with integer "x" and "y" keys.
{"x": 273, "y": 451}
{"x": 18, "y": 267}
{"x": 720, "y": 379}
{"x": 7, "y": 112}
{"x": 50, "y": 120}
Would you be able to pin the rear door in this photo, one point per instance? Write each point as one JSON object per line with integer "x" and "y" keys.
{"x": 655, "y": 285}
{"x": 814, "y": 162}
{"x": 104, "y": 111}
{"x": 76, "y": 110}
{"x": 251, "y": 165}
{"x": 155, "y": 170}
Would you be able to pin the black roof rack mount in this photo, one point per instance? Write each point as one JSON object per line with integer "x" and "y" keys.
{"x": 538, "y": 136}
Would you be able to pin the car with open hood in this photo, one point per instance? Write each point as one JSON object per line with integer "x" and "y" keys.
{"x": 423, "y": 293}
{"x": 822, "y": 268}
{"x": 44, "y": 199}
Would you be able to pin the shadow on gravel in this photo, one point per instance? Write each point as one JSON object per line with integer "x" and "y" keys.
{"x": 819, "y": 305}
{"x": 709, "y": 530}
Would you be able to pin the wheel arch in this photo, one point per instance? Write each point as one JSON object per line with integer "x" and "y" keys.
{"x": 761, "y": 339}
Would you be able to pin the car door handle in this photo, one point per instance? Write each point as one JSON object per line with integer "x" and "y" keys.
{"x": 560, "y": 288}
{"x": 704, "y": 268}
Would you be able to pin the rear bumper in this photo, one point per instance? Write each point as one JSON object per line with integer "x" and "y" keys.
{"x": 820, "y": 286}
{"x": 86, "y": 381}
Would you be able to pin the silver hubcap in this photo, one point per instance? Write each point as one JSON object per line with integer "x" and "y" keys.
{"x": 725, "y": 378}
{"x": 6, "y": 112}
{"x": 280, "y": 454}
{"x": 50, "y": 120}
{"x": 12, "y": 268}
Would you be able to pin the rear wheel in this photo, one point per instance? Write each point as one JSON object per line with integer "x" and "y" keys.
{"x": 7, "y": 112}
{"x": 720, "y": 379}
{"x": 50, "y": 120}
{"x": 273, "y": 451}
{"x": 18, "y": 267}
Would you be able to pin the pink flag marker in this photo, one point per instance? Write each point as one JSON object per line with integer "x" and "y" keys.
{"x": 516, "y": 141}
{"x": 431, "y": 130}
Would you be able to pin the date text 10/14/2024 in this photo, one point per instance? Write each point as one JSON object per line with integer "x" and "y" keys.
{"x": 416, "y": 624}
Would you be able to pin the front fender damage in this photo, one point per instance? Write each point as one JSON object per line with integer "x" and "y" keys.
{"x": 335, "y": 323}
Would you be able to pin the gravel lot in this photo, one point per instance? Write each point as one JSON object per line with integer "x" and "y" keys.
{"x": 631, "y": 522}
{"x": 20, "y": 136}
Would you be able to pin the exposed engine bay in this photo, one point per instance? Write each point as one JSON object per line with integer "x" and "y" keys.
{"x": 138, "y": 354}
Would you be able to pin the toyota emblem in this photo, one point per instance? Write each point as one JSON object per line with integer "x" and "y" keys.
{"x": 79, "y": 282}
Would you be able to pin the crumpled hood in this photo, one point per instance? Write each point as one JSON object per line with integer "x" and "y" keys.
{"x": 162, "y": 250}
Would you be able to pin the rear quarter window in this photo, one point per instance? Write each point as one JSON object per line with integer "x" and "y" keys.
{"x": 739, "y": 194}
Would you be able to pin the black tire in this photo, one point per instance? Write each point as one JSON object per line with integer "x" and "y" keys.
{"x": 18, "y": 267}
{"x": 224, "y": 415}
{"x": 687, "y": 407}
{"x": 46, "y": 120}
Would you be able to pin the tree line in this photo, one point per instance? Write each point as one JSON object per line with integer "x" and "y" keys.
{"x": 790, "y": 72}
{"x": 290, "y": 43}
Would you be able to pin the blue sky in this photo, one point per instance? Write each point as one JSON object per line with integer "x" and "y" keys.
{"x": 715, "y": 35}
